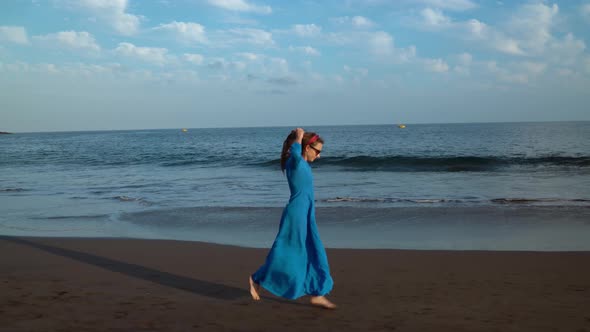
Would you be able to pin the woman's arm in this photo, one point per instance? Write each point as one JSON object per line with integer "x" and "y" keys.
{"x": 296, "y": 147}
{"x": 299, "y": 135}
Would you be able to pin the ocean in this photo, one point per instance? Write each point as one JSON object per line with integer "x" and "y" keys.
{"x": 479, "y": 186}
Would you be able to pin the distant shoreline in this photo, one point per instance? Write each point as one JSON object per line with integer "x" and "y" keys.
{"x": 4, "y": 133}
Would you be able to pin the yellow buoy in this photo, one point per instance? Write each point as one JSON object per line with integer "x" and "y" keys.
{"x": 184, "y": 130}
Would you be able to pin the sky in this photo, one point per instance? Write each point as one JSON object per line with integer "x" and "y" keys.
{"x": 69, "y": 65}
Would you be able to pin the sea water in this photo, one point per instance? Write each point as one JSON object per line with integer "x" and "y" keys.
{"x": 491, "y": 186}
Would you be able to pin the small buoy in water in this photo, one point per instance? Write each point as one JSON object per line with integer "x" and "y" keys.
{"x": 402, "y": 126}
{"x": 184, "y": 130}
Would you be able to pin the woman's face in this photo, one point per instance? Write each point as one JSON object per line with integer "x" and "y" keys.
{"x": 312, "y": 152}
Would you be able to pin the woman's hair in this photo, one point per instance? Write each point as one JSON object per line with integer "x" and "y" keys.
{"x": 304, "y": 142}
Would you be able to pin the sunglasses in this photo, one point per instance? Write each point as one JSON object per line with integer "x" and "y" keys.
{"x": 316, "y": 150}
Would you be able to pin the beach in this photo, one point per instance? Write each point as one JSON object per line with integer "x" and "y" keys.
{"x": 85, "y": 284}
{"x": 435, "y": 154}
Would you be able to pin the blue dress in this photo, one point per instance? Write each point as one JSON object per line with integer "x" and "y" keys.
{"x": 297, "y": 264}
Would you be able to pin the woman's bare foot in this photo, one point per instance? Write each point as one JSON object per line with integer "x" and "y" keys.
{"x": 254, "y": 287}
{"x": 322, "y": 301}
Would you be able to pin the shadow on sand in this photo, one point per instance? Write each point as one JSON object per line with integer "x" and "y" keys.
{"x": 200, "y": 287}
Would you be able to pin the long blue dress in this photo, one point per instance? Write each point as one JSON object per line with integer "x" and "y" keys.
{"x": 297, "y": 264}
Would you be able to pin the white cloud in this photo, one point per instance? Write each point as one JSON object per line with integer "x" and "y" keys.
{"x": 185, "y": 32}
{"x": 529, "y": 32}
{"x": 70, "y": 39}
{"x": 436, "y": 65}
{"x": 462, "y": 70}
{"x": 282, "y": 81}
{"x": 154, "y": 55}
{"x": 526, "y": 33}
{"x": 241, "y": 6}
{"x": 279, "y": 65}
{"x": 114, "y": 75}
{"x": 566, "y": 51}
{"x": 452, "y": 5}
{"x": 342, "y": 38}
{"x": 506, "y": 45}
{"x": 362, "y": 22}
{"x": 75, "y": 69}
{"x": 48, "y": 68}
{"x": 14, "y": 67}
{"x": 476, "y": 28}
{"x": 531, "y": 26}
{"x": 239, "y": 65}
{"x": 196, "y": 59}
{"x": 252, "y": 36}
{"x": 435, "y": 18}
{"x": 23, "y": 67}
{"x": 358, "y": 71}
{"x": 457, "y": 5}
{"x": 307, "y": 30}
{"x": 359, "y": 22}
{"x": 565, "y": 72}
{"x": 465, "y": 59}
{"x": 258, "y": 66}
{"x": 249, "y": 56}
{"x": 308, "y": 50}
{"x": 517, "y": 72}
{"x": 381, "y": 45}
{"x": 585, "y": 11}
{"x": 533, "y": 68}
{"x": 505, "y": 75}
{"x": 14, "y": 34}
{"x": 113, "y": 12}
{"x": 218, "y": 64}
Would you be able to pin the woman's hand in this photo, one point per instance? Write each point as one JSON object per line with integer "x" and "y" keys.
{"x": 299, "y": 135}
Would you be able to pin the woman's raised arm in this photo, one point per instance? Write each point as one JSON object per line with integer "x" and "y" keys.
{"x": 299, "y": 135}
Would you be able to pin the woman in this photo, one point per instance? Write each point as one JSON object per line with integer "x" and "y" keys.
{"x": 297, "y": 264}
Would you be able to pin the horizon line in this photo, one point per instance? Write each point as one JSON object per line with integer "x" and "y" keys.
{"x": 286, "y": 126}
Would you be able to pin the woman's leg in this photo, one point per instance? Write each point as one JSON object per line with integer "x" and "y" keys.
{"x": 254, "y": 288}
{"x": 322, "y": 301}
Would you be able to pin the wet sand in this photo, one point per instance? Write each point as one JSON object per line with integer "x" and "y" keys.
{"x": 74, "y": 284}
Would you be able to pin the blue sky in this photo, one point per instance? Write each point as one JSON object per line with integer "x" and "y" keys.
{"x": 116, "y": 64}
